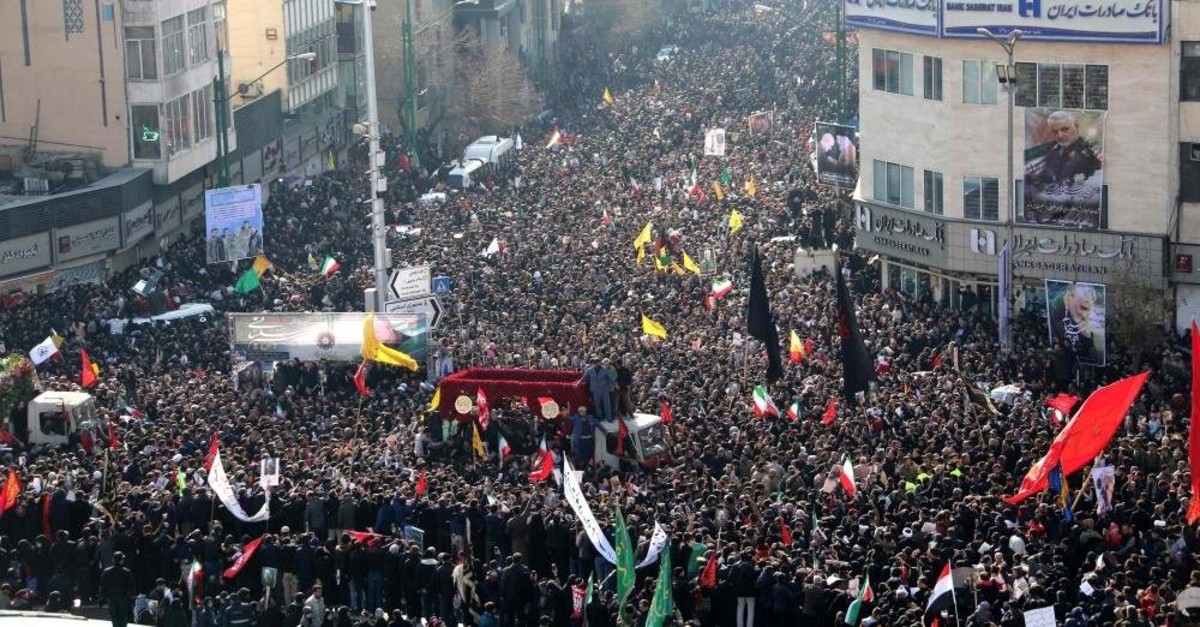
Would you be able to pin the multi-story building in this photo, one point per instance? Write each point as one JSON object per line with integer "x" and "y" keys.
{"x": 433, "y": 58}
{"x": 1101, "y": 154}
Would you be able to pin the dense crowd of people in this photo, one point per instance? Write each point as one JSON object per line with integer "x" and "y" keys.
{"x": 106, "y": 520}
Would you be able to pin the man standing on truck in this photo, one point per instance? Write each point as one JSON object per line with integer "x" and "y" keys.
{"x": 601, "y": 379}
{"x": 583, "y": 437}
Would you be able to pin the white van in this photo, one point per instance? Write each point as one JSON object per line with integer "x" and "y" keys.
{"x": 465, "y": 174}
{"x": 53, "y": 416}
{"x": 645, "y": 444}
{"x": 496, "y": 153}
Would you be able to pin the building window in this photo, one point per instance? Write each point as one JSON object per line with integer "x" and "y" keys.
{"x": 981, "y": 198}
{"x": 146, "y": 132}
{"x": 141, "y": 60}
{"x": 934, "y": 202}
{"x": 1189, "y": 72}
{"x": 933, "y": 78}
{"x": 893, "y": 184}
{"x": 177, "y": 124}
{"x": 174, "y": 55}
{"x": 979, "y": 82}
{"x": 201, "y": 113}
{"x": 1062, "y": 85}
{"x": 893, "y": 71}
{"x": 197, "y": 36}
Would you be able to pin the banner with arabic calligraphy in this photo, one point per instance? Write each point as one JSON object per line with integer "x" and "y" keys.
{"x": 328, "y": 336}
{"x": 1064, "y": 167}
{"x": 1076, "y": 315}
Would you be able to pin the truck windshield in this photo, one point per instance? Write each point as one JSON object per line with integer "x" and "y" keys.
{"x": 654, "y": 441}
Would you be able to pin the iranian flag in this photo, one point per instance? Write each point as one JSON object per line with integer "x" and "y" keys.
{"x": 195, "y": 580}
{"x": 721, "y": 287}
{"x": 763, "y": 405}
{"x": 846, "y": 477}
{"x": 505, "y": 449}
{"x": 793, "y": 411}
{"x": 330, "y": 266}
{"x": 865, "y": 595}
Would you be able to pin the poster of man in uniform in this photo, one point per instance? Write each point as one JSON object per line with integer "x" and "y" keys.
{"x": 233, "y": 223}
{"x": 760, "y": 122}
{"x": 837, "y": 156}
{"x": 1075, "y": 314}
{"x": 1064, "y": 167}
{"x": 714, "y": 142}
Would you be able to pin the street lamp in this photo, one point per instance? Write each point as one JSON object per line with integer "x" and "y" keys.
{"x": 220, "y": 99}
{"x": 1007, "y": 76}
{"x": 410, "y": 71}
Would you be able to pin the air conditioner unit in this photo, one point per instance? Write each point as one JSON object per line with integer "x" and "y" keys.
{"x": 250, "y": 90}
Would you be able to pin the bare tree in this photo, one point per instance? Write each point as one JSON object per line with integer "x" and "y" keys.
{"x": 493, "y": 92}
{"x": 623, "y": 17}
{"x": 1136, "y": 313}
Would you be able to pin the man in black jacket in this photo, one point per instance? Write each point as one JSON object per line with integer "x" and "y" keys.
{"x": 117, "y": 587}
{"x": 745, "y": 577}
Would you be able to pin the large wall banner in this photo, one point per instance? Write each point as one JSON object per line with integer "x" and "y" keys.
{"x": 1075, "y": 314}
{"x": 89, "y": 238}
{"x": 1064, "y": 167}
{"x": 919, "y": 17}
{"x": 837, "y": 157}
{"x": 1111, "y": 21}
{"x": 315, "y": 336}
{"x": 233, "y": 223}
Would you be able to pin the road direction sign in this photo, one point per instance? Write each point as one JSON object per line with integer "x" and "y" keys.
{"x": 429, "y": 305}
{"x": 441, "y": 285}
{"x": 409, "y": 282}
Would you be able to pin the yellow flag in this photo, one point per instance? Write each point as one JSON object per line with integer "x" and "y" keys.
{"x": 641, "y": 250}
{"x": 690, "y": 265}
{"x": 751, "y": 188}
{"x": 650, "y": 327}
{"x": 437, "y": 399}
{"x": 735, "y": 221}
{"x": 720, "y": 193}
{"x": 678, "y": 271}
{"x": 608, "y": 99}
{"x": 658, "y": 264}
{"x": 374, "y": 350}
{"x": 476, "y": 443}
{"x": 644, "y": 237}
{"x": 261, "y": 265}
{"x": 313, "y": 263}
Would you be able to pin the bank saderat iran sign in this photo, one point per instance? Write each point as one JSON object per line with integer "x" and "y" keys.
{"x": 1111, "y": 21}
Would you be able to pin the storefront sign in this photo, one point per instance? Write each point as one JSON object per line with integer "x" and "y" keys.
{"x": 1183, "y": 264}
{"x": 905, "y": 16}
{"x": 81, "y": 240}
{"x": 24, "y": 254}
{"x": 896, "y": 232}
{"x": 166, "y": 216}
{"x": 193, "y": 202}
{"x": 137, "y": 224}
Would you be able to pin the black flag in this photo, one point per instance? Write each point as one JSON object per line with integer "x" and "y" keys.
{"x": 759, "y": 321}
{"x": 857, "y": 370}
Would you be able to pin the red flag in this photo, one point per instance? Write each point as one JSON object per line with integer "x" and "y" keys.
{"x": 212, "y": 453}
{"x": 112, "y": 435}
{"x": 1085, "y": 436}
{"x": 365, "y": 537}
{"x": 665, "y": 412}
{"x": 545, "y": 467}
{"x": 87, "y": 374}
{"x": 785, "y": 532}
{"x": 484, "y": 411}
{"x": 708, "y": 578}
{"x": 360, "y": 379}
{"x": 936, "y": 362}
{"x": 622, "y": 433}
{"x": 1193, "y": 513}
{"x": 46, "y": 515}
{"x": 422, "y": 484}
{"x": 1063, "y": 402}
{"x": 243, "y": 559}
{"x": 830, "y": 412}
{"x": 11, "y": 492}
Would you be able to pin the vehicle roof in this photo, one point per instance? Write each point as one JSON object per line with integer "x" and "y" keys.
{"x": 46, "y": 619}
{"x": 640, "y": 421}
{"x": 62, "y": 396}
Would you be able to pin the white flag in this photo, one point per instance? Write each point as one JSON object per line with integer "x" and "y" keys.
{"x": 658, "y": 541}
{"x": 220, "y": 486}
{"x": 579, "y": 505}
{"x": 492, "y": 249}
{"x": 43, "y": 351}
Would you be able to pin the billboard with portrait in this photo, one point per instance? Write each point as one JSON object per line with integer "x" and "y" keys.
{"x": 328, "y": 336}
{"x": 1064, "y": 167}
{"x": 837, "y": 156}
{"x": 1075, "y": 315}
{"x": 233, "y": 223}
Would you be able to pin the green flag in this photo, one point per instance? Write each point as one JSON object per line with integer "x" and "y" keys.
{"x": 248, "y": 283}
{"x": 726, "y": 177}
{"x": 625, "y": 574}
{"x": 865, "y": 595}
{"x": 661, "y": 606}
{"x": 180, "y": 481}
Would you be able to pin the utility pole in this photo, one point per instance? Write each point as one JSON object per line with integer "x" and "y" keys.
{"x": 220, "y": 100}
{"x": 843, "y": 116}
{"x": 543, "y": 61}
{"x": 375, "y": 158}
{"x": 410, "y": 85}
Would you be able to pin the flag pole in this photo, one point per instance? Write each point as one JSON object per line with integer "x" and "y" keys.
{"x": 1087, "y": 479}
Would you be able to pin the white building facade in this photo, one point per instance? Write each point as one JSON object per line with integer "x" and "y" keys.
{"x": 1098, "y": 125}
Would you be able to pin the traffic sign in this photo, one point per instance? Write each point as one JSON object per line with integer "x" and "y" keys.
{"x": 428, "y": 305}
{"x": 409, "y": 282}
{"x": 441, "y": 284}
